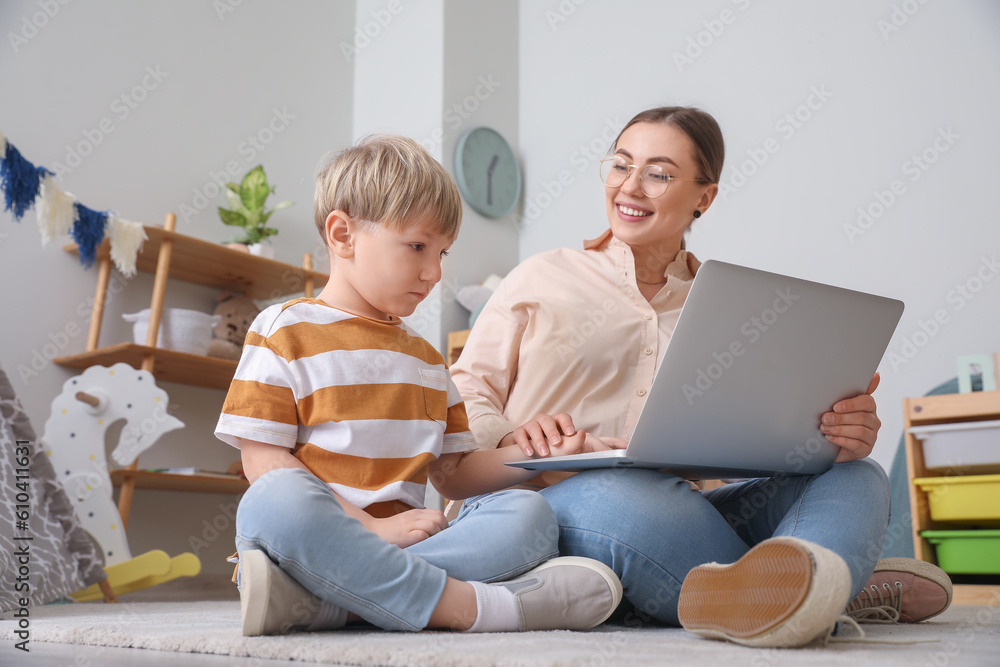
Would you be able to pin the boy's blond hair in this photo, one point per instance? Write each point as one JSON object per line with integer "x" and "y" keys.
{"x": 387, "y": 180}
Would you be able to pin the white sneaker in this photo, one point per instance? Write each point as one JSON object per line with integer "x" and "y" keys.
{"x": 568, "y": 593}
{"x": 784, "y": 592}
{"x": 271, "y": 602}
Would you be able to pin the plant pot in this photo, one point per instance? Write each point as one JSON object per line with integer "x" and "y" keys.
{"x": 262, "y": 249}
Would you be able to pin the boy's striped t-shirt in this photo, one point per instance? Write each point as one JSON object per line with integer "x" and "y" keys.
{"x": 365, "y": 404}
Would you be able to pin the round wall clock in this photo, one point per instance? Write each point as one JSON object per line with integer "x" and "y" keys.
{"x": 487, "y": 172}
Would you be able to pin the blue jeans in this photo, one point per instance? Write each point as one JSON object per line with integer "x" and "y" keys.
{"x": 295, "y": 519}
{"x": 652, "y": 528}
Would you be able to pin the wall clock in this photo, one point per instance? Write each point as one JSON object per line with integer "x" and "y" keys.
{"x": 487, "y": 172}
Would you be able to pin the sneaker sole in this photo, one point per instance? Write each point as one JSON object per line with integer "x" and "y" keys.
{"x": 255, "y": 580}
{"x": 609, "y": 576}
{"x": 921, "y": 569}
{"x": 783, "y": 592}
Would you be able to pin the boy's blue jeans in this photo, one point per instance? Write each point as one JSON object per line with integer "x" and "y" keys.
{"x": 294, "y": 518}
{"x": 652, "y": 528}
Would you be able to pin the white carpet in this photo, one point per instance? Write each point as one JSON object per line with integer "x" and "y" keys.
{"x": 214, "y": 627}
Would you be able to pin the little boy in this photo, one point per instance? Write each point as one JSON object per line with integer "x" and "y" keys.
{"x": 342, "y": 413}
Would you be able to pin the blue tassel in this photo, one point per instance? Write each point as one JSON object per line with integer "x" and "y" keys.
{"x": 88, "y": 232}
{"x": 20, "y": 180}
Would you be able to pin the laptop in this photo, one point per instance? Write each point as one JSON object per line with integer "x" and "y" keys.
{"x": 754, "y": 360}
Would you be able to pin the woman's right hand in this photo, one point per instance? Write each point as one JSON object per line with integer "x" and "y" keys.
{"x": 539, "y": 435}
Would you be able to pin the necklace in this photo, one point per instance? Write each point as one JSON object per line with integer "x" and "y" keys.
{"x": 646, "y": 282}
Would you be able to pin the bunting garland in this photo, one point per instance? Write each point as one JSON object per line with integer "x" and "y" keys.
{"x": 24, "y": 185}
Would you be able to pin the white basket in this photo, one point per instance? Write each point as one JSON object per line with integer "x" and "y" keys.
{"x": 961, "y": 447}
{"x": 180, "y": 329}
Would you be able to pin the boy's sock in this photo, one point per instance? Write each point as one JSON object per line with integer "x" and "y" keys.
{"x": 496, "y": 609}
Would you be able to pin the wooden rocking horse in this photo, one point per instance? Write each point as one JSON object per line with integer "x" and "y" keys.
{"x": 74, "y": 438}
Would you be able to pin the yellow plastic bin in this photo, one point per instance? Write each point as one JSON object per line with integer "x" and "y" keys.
{"x": 966, "y": 551}
{"x": 971, "y": 498}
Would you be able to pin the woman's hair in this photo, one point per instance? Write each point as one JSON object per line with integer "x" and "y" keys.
{"x": 387, "y": 180}
{"x": 701, "y": 129}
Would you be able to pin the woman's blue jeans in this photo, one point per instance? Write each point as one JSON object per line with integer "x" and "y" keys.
{"x": 652, "y": 528}
{"x": 295, "y": 519}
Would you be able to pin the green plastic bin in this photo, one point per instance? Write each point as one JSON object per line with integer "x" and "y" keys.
{"x": 966, "y": 551}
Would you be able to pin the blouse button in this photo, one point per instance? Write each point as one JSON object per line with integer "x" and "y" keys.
{"x": 647, "y": 316}
{"x": 641, "y": 392}
{"x": 648, "y": 350}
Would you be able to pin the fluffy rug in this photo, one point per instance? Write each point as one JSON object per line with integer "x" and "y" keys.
{"x": 214, "y": 627}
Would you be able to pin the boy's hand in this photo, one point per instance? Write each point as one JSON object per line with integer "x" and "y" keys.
{"x": 407, "y": 528}
{"x": 853, "y": 425}
{"x": 583, "y": 442}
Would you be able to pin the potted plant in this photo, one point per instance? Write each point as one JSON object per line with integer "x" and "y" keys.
{"x": 247, "y": 211}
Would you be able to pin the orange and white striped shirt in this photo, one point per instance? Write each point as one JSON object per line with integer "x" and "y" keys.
{"x": 365, "y": 404}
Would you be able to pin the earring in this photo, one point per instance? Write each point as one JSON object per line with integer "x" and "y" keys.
{"x": 697, "y": 214}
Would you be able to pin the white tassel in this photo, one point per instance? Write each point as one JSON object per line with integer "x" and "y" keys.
{"x": 126, "y": 241}
{"x": 55, "y": 210}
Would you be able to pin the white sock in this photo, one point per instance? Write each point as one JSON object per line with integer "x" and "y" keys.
{"x": 496, "y": 609}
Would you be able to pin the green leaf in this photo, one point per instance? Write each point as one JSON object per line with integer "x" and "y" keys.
{"x": 232, "y": 186}
{"x": 263, "y": 218}
{"x": 233, "y": 199}
{"x": 254, "y": 189}
{"x": 234, "y": 218}
{"x": 284, "y": 204}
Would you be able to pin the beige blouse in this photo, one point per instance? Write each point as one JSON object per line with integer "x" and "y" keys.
{"x": 568, "y": 331}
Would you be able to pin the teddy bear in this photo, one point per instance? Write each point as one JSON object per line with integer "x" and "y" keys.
{"x": 236, "y": 313}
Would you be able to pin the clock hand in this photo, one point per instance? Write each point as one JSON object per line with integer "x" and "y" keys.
{"x": 489, "y": 179}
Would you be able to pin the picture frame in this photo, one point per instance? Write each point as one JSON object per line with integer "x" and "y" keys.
{"x": 976, "y": 372}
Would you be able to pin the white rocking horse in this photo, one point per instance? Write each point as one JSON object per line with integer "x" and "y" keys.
{"x": 74, "y": 438}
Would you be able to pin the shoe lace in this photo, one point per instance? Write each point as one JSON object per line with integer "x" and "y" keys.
{"x": 876, "y": 607}
{"x": 864, "y": 639}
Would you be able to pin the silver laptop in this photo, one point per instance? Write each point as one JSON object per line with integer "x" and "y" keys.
{"x": 754, "y": 360}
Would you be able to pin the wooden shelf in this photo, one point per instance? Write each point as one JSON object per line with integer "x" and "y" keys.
{"x": 943, "y": 409}
{"x": 214, "y": 265}
{"x": 168, "y": 365}
{"x": 145, "y": 479}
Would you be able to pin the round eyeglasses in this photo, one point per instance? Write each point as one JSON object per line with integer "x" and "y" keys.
{"x": 653, "y": 179}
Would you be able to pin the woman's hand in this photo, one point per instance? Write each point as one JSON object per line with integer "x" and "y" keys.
{"x": 537, "y": 435}
{"x": 583, "y": 442}
{"x": 853, "y": 425}
{"x": 407, "y": 528}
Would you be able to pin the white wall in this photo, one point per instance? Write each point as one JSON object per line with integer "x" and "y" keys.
{"x": 432, "y": 70}
{"x": 880, "y": 95}
{"x": 222, "y": 75}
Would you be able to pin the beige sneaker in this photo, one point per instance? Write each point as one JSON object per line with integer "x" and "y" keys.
{"x": 271, "y": 602}
{"x": 784, "y": 592}
{"x": 567, "y": 593}
{"x": 902, "y": 590}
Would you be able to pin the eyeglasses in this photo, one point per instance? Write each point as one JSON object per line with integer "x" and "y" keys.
{"x": 653, "y": 179}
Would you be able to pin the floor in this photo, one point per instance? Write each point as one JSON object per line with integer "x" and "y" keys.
{"x": 217, "y": 588}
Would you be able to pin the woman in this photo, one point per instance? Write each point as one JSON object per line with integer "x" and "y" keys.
{"x": 567, "y": 348}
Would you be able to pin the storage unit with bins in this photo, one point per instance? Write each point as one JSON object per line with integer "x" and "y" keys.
{"x": 953, "y": 457}
{"x": 172, "y": 256}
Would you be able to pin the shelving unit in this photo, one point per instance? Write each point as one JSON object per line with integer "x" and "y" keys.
{"x": 943, "y": 409}
{"x": 172, "y": 256}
